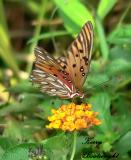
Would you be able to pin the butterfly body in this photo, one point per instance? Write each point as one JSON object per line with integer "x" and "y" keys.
{"x": 65, "y": 76}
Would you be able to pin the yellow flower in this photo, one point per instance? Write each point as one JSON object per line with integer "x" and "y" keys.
{"x": 70, "y": 126}
{"x": 54, "y": 124}
{"x": 72, "y": 117}
{"x": 80, "y": 123}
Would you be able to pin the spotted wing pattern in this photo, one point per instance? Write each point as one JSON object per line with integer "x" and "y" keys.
{"x": 77, "y": 62}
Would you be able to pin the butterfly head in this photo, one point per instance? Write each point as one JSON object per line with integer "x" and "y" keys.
{"x": 77, "y": 94}
{"x": 80, "y": 94}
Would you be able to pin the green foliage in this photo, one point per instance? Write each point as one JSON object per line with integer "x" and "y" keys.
{"x": 124, "y": 145}
{"x": 24, "y": 110}
{"x": 5, "y": 47}
{"x": 68, "y": 10}
{"x": 120, "y": 35}
{"x": 101, "y": 103}
{"x": 104, "y": 7}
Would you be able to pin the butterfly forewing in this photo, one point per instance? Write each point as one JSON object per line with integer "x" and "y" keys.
{"x": 79, "y": 56}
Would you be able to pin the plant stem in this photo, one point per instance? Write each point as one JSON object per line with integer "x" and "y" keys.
{"x": 123, "y": 15}
{"x": 74, "y": 145}
{"x": 53, "y": 39}
{"x": 6, "y": 51}
{"x": 101, "y": 34}
{"x": 37, "y": 30}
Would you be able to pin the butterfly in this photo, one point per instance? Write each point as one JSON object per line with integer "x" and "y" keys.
{"x": 64, "y": 77}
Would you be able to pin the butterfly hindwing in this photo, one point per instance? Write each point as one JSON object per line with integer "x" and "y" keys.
{"x": 49, "y": 75}
{"x": 49, "y": 84}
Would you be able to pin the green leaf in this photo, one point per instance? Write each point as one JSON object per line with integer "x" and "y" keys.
{"x": 118, "y": 66}
{"x": 102, "y": 39}
{"x": 23, "y": 87}
{"x": 19, "y": 152}
{"x": 121, "y": 51}
{"x": 105, "y": 7}
{"x": 28, "y": 102}
{"x": 124, "y": 145}
{"x": 101, "y": 103}
{"x": 21, "y": 133}
{"x": 74, "y": 14}
{"x": 16, "y": 130}
{"x": 95, "y": 80}
{"x": 120, "y": 119}
{"x": 120, "y": 35}
{"x": 5, "y": 46}
{"x": 5, "y": 143}
{"x": 6, "y": 51}
{"x": 121, "y": 106}
{"x": 49, "y": 35}
{"x": 58, "y": 145}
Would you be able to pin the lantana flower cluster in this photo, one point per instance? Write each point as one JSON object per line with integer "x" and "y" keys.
{"x": 73, "y": 117}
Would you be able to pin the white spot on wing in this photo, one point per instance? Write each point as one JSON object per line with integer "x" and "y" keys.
{"x": 38, "y": 50}
{"x": 44, "y": 83}
{"x": 49, "y": 57}
{"x": 42, "y": 75}
{"x": 56, "y": 85}
{"x": 53, "y": 90}
{"x": 50, "y": 79}
{"x": 41, "y": 57}
{"x": 37, "y": 71}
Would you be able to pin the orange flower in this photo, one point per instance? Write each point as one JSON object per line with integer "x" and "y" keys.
{"x": 72, "y": 117}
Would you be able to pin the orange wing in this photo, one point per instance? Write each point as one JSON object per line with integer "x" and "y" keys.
{"x": 77, "y": 62}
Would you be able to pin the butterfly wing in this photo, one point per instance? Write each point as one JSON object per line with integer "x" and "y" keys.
{"x": 61, "y": 77}
{"x": 78, "y": 59}
{"x": 50, "y": 76}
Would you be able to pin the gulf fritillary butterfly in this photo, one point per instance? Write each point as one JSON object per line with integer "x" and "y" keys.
{"x": 65, "y": 76}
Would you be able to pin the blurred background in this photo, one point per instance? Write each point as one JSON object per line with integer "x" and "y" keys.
{"x": 53, "y": 25}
